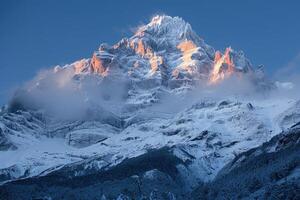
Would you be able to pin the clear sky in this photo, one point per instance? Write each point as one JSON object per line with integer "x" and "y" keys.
{"x": 36, "y": 34}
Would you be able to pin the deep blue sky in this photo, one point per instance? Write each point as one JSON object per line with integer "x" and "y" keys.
{"x": 36, "y": 34}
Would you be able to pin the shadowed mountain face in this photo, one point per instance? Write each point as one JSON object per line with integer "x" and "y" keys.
{"x": 135, "y": 177}
{"x": 266, "y": 172}
{"x": 270, "y": 171}
{"x": 159, "y": 115}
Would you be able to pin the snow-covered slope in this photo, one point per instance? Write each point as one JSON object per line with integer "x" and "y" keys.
{"x": 270, "y": 171}
{"x": 162, "y": 88}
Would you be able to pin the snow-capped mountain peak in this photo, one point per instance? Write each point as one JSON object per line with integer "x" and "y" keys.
{"x": 166, "y": 49}
{"x": 155, "y": 109}
{"x": 166, "y": 26}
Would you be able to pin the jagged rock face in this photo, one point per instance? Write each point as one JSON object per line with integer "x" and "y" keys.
{"x": 167, "y": 49}
{"x": 228, "y": 64}
{"x": 165, "y": 54}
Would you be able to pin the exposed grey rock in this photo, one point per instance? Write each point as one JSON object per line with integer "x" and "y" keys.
{"x": 5, "y": 143}
{"x": 81, "y": 139}
{"x": 291, "y": 116}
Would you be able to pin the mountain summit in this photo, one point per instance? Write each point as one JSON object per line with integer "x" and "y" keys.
{"x": 166, "y": 49}
{"x": 165, "y": 54}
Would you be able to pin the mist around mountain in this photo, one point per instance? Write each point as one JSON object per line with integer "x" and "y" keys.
{"x": 159, "y": 115}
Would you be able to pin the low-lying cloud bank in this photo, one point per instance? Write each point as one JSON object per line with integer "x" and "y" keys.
{"x": 62, "y": 93}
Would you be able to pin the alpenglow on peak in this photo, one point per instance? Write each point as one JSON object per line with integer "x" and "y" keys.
{"x": 166, "y": 52}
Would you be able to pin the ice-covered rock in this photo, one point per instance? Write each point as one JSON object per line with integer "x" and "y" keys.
{"x": 290, "y": 117}
{"x": 81, "y": 139}
{"x": 5, "y": 142}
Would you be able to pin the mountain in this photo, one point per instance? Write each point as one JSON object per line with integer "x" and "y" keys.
{"x": 269, "y": 171}
{"x": 159, "y": 115}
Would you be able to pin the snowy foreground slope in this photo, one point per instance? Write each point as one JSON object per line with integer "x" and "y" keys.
{"x": 159, "y": 115}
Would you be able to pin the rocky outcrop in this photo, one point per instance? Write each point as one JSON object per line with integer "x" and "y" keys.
{"x": 5, "y": 143}
{"x": 290, "y": 116}
{"x": 81, "y": 139}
